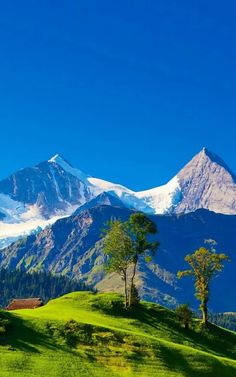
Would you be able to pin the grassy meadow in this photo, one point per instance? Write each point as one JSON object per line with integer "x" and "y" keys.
{"x": 87, "y": 334}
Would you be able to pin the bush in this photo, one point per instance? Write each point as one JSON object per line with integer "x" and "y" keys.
{"x": 5, "y": 324}
{"x": 135, "y": 299}
{"x": 71, "y": 332}
{"x": 184, "y": 315}
{"x": 109, "y": 305}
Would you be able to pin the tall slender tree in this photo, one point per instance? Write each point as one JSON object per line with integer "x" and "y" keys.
{"x": 205, "y": 264}
{"x": 140, "y": 228}
{"x": 118, "y": 249}
{"x": 124, "y": 243}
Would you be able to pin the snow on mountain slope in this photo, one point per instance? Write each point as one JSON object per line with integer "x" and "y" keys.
{"x": 100, "y": 185}
{"x": 127, "y": 196}
{"x": 37, "y": 196}
{"x": 205, "y": 182}
{"x": 10, "y": 208}
{"x": 162, "y": 199}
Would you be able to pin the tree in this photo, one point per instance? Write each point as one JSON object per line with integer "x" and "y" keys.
{"x": 204, "y": 263}
{"x": 184, "y": 315}
{"x": 118, "y": 248}
{"x": 140, "y": 227}
{"x": 124, "y": 243}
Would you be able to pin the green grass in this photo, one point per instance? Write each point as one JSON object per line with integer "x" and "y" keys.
{"x": 148, "y": 342}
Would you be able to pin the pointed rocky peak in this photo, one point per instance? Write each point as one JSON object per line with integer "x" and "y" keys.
{"x": 204, "y": 161}
{"x": 59, "y": 160}
{"x": 217, "y": 160}
{"x": 66, "y": 166}
{"x": 207, "y": 182}
{"x": 110, "y": 199}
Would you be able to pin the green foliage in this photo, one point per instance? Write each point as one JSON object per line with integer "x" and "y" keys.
{"x": 140, "y": 343}
{"x": 19, "y": 284}
{"x": 124, "y": 244}
{"x": 72, "y": 332}
{"x": 205, "y": 264}
{"x": 5, "y": 324}
{"x": 118, "y": 248}
{"x": 135, "y": 298}
{"x": 184, "y": 315}
{"x": 109, "y": 304}
{"x": 140, "y": 227}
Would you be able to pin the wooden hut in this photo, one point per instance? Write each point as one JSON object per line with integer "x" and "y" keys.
{"x": 24, "y": 303}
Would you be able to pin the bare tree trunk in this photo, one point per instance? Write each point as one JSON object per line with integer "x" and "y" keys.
{"x": 126, "y": 290}
{"x": 204, "y": 312}
{"x": 186, "y": 325}
{"x": 132, "y": 283}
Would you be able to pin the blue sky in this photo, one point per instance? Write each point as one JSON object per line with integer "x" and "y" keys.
{"x": 126, "y": 90}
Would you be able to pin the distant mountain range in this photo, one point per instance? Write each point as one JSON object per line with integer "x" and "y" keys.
{"x": 34, "y": 197}
{"x": 60, "y": 212}
{"x": 72, "y": 246}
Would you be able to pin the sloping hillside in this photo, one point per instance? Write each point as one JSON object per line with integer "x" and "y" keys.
{"x": 86, "y": 334}
{"x": 73, "y": 247}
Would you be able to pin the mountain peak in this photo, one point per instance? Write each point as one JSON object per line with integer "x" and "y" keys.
{"x": 207, "y": 182}
{"x": 207, "y": 155}
{"x": 57, "y": 159}
{"x": 65, "y": 165}
{"x": 205, "y": 152}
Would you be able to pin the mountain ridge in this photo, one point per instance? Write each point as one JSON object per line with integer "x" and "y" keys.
{"x": 73, "y": 247}
{"x": 35, "y": 197}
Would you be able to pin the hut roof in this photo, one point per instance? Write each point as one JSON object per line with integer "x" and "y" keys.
{"x": 24, "y": 303}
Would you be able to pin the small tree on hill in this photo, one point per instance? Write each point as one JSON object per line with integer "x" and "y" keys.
{"x": 118, "y": 248}
{"x": 184, "y": 314}
{"x": 124, "y": 243}
{"x": 140, "y": 227}
{"x": 204, "y": 263}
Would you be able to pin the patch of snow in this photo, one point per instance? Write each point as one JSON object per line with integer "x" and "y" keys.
{"x": 27, "y": 221}
{"x": 24, "y": 228}
{"x": 59, "y": 196}
{"x": 163, "y": 198}
{"x": 11, "y": 208}
{"x": 158, "y": 200}
{"x": 7, "y": 241}
{"x": 33, "y": 212}
{"x": 100, "y": 185}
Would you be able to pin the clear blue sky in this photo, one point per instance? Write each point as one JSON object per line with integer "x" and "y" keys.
{"x": 126, "y": 90}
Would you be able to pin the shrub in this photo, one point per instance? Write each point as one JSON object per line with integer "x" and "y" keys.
{"x": 71, "y": 332}
{"x": 5, "y": 324}
{"x": 135, "y": 299}
{"x": 184, "y": 315}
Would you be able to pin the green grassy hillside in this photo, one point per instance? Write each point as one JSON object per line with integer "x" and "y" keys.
{"x": 105, "y": 341}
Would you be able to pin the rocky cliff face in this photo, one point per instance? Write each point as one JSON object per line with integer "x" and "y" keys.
{"x": 47, "y": 185}
{"x": 206, "y": 182}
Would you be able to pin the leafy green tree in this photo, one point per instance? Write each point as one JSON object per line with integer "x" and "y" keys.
{"x": 118, "y": 248}
{"x": 140, "y": 227}
{"x": 124, "y": 243}
{"x": 205, "y": 264}
{"x": 184, "y": 314}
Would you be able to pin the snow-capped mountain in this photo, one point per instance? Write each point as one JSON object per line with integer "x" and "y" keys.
{"x": 205, "y": 182}
{"x": 37, "y": 196}
{"x": 34, "y": 197}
